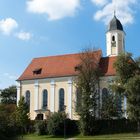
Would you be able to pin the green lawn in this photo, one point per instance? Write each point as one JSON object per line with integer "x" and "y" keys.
{"x": 101, "y": 137}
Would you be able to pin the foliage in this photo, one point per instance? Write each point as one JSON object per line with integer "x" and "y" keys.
{"x": 8, "y": 95}
{"x": 55, "y": 124}
{"x": 6, "y": 127}
{"x": 133, "y": 91}
{"x": 88, "y": 87}
{"x": 21, "y": 115}
{"x": 72, "y": 127}
{"x": 128, "y": 80}
{"x": 111, "y": 107}
{"x": 115, "y": 126}
{"x": 41, "y": 127}
{"x": 58, "y": 124}
{"x": 125, "y": 67}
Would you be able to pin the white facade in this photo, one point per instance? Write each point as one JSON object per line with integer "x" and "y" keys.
{"x": 115, "y": 42}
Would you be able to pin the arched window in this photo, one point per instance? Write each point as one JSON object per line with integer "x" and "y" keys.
{"x": 105, "y": 94}
{"x": 27, "y": 98}
{"x": 45, "y": 99}
{"x": 113, "y": 38}
{"x": 78, "y": 100}
{"x": 119, "y": 101}
{"x": 61, "y": 99}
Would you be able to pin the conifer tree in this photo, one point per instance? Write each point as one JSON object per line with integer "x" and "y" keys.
{"x": 21, "y": 115}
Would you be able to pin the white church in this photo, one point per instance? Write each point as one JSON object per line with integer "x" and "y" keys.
{"x": 48, "y": 82}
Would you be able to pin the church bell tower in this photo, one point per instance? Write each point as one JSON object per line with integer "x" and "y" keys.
{"x": 115, "y": 38}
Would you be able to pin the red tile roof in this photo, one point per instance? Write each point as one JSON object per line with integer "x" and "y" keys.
{"x": 106, "y": 65}
{"x": 62, "y": 65}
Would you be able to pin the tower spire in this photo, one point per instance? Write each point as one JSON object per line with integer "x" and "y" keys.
{"x": 115, "y": 37}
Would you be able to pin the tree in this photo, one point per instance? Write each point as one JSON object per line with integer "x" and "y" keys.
{"x": 55, "y": 124}
{"x": 125, "y": 69}
{"x": 21, "y": 115}
{"x": 111, "y": 107}
{"x": 88, "y": 89}
{"x": 133, "y": 91}
{"x": 6, "y": 129}
{"x": 128, "y": 83}
{"x": 8, "y": 95}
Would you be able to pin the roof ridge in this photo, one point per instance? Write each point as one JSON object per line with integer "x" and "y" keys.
{"x": 61, "y": 55}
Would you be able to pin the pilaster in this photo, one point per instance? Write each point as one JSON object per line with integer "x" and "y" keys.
{"x": 52, "y": 96}
{"x": 18, "y": 92}
{"x": 36, "y": 95}
{"x": 69, "y": 106}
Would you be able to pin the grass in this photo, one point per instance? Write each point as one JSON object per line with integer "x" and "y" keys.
{"x": 130, "y": 136}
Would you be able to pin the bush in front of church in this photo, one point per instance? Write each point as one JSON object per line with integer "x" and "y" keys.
{"x": 56, "y": 124}
{"x": 41, "y": 127}
{"x": 59, "y": 124}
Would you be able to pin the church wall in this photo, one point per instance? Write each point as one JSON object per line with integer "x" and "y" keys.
{"x": 62, "y": 82}
{"x": 29, "y": 85}
{"x": 46, "y": 84}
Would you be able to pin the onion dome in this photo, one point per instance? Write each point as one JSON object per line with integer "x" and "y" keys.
{"x": 115, "y": 24}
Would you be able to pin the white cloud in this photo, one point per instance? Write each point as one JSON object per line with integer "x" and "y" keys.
{"x": 23, "y": 35}
{"x": 8, "y": 25}
{"x": 9, "y": 76}
{"x": 55, "y": 9}
{"x": 123, "y": 10}
{"x": 99, "y": 2}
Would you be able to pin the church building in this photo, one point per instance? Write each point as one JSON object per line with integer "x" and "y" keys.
{"x": 48, "y": 82}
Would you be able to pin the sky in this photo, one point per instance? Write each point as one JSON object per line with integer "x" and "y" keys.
{"x": 36, "y": 28}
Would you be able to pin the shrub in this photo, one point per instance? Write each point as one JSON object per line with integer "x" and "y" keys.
{"x": 72, "y": 127}
{"x": 58, "y": 121}
{"x": 56, "y": 124}
{"x": 41, "y": 127}
{"x": 7, "y": 127}
{"x": 116, "y": 126}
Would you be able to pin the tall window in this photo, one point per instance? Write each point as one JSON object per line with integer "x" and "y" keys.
{"x": 113, "y": 38}
{"x": 27, "y": 98}
{"x": 119, "y": 102}
{"x": 113, "y": 45}
{"x": 78, "y": 100}
{"x": 105, "y": 95}
{"x": 45, "y": 99}
{"x": 61, "y": 99}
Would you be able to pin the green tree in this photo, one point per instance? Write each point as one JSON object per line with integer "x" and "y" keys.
{"x": 128, "y": 83}
{"x": 6, "y": 129}
{"x": 111, "y": 107}
{"x": 133, "y": 99}
{"x": 55, "y": 123}
{"x": 8, "y": 95}
{"x": 88, "y": 89}
{"x": 21, "y": 115}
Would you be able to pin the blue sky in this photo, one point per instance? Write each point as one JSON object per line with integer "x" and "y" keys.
{"x": 35, "y": 28}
